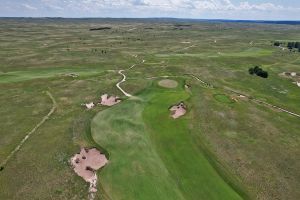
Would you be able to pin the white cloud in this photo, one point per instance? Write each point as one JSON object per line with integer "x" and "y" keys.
{"x": 153, "y": 8}
{"x": 29, "y": 7}
{"x": 175, "y": 5}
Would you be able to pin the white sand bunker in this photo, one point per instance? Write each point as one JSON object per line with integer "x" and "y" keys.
{"x": 168, "y": 83}
{"x": 86, "y": 163}
{"x": 89, "y": 105}
{"x": 109, "y": 100}
{"x": 178, "y": 110}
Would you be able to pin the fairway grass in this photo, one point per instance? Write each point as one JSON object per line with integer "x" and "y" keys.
{"x": 152, "y": 156}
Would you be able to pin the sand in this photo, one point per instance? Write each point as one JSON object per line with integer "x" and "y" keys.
{"x": 86, "y": 163}
{"x": 88, "y": 105}
{"x": 178, "y": 110}
{"x": 168, "y": 83}
{"x": 109, "y": 100}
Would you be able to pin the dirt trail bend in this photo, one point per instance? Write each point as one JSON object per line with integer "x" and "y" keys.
{"x": 124, "y": 79}
{"x": 45, "y": 118}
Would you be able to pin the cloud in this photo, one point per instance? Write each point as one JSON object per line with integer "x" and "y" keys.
{"x": 153, "y": 8}
{"x": 28, "y": 7}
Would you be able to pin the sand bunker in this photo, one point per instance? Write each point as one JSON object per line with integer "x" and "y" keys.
{"x": 86, "y": 163}
{"x": 89, "y": 105}
{"x": 168, "y": 83}
{"x": 178, "y": 110}
{"x": 109, "y": 100}
{"x": 291, "y": 74}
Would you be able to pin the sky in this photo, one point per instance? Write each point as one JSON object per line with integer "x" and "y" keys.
{"x": 197, "y": 9}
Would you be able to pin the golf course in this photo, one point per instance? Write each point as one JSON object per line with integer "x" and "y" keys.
{"x": 143, "y": 109}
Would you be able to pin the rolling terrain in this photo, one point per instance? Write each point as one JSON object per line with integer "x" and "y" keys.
{"x": 238, "y": 139}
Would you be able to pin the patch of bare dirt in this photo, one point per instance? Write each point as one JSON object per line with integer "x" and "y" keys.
{"x": 178, "y": 110}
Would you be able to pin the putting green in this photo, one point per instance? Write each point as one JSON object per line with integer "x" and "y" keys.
{"x": 153, "y": 156}
{"x": 167, "y": 83}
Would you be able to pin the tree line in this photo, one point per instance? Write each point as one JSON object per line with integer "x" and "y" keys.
{"x": 289, "y": 45}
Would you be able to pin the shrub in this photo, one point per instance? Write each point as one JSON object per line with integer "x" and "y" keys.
{"x": 258, "y": 71}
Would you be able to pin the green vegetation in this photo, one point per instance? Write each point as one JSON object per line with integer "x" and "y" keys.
{"x": 227, "y": 146}
{"x": 223, "y": 98}
{"x": 153, "y": 155}
{"x": 258, "y": 71}
{"x": 289, "y": 45}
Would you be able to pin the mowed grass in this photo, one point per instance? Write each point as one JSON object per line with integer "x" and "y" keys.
{"x": 153, "y": 156}
{"x": 135, "y": 170}
{"x": 18, "y": 76}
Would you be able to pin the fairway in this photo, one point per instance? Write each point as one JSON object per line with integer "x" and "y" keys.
{"x": 153, "y": 153}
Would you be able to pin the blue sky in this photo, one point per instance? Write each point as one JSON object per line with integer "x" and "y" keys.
{"x": 204, "y": 9}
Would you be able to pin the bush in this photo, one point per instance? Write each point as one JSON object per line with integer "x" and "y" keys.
{"x": 259, "y": 72}
{"x": 277, "y": 44}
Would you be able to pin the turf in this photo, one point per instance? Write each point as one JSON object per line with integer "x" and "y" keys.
{"x": 164, "y": 162}
{"x": 248, "y": 148}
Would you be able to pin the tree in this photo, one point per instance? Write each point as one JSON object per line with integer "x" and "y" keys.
{"x": 277, "y": 43}
{"x": 251, "y": 71}
{"x": 297, "y": 45}
{"x": 258, "y": 71}
{"x": 291, "y": 45}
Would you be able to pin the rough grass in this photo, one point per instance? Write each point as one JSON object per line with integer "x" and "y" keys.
{"x": 223, "y": 98}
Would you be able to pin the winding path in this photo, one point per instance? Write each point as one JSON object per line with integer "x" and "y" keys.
{"x": 124, "y": 79}
{"x": 45, "y": 118}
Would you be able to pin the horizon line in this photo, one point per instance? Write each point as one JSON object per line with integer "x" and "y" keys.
{"x": 208, "y": 19}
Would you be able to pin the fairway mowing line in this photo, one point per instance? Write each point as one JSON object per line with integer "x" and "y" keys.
{"x": 54, "y": 105}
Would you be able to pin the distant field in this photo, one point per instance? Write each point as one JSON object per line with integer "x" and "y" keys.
{"x": 227, "y": 146}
